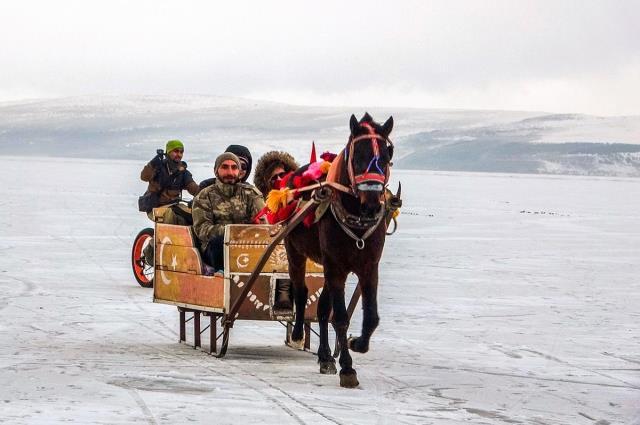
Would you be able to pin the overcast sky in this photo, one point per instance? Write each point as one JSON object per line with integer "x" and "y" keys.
{"x": 557, "y": 56}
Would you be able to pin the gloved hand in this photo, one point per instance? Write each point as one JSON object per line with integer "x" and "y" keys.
{"x": 156, "y": 162}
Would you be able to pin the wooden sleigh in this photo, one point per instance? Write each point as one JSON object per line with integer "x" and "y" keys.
{"x": 179, "y": 281}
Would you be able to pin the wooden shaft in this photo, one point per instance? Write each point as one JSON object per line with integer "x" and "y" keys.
{"x": 354, "y": 301}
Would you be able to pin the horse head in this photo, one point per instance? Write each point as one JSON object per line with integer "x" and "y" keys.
{"x": 368, "y": 158}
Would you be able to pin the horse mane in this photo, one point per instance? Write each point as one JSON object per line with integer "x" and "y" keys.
{"x": 336, "y": 169}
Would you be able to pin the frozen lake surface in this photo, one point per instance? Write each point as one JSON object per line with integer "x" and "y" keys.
{"x": 503, "y": 299}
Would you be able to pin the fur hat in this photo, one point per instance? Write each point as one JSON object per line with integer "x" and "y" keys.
{"x": 242, "y": 152}
{"x": 267, "y": 163}
{"x": 224, "y": 157}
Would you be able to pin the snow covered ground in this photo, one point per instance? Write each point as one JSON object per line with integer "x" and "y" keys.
{"x": 503, "y": 299}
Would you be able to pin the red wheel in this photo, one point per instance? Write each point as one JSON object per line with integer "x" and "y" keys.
{"x": 143, "y": 269}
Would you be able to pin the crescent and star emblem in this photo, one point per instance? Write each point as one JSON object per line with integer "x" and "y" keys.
{"x": 242, "y": 261}
{"x": 174, "y": 263}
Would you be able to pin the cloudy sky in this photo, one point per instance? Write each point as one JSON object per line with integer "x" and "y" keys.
{"x": 557, "y": 56}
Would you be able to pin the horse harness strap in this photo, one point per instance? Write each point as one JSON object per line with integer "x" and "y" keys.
{"x": 346, "y": 221}
{"x": 381, "y": 176}
{"x": 320, "y": 185}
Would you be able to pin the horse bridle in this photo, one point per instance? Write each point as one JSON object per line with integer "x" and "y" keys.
{"x": 382, "y": 176}
{"x": 346, "y": 220}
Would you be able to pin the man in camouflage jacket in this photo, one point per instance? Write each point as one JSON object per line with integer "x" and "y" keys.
{"x": 227, "y": 201}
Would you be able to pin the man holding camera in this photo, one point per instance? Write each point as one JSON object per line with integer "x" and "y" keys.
{"x": 168, "y": 176}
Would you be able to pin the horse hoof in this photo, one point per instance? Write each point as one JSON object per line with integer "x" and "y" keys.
{"x": 351, "y": 343}
{"x": 298, "y": 345}
{"x": 355, "y": 345}
{"x": 328, "y": 368}
{"x": 349, "y": 380}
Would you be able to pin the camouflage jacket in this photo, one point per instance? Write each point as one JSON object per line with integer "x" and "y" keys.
{"x": 221, "y": 204}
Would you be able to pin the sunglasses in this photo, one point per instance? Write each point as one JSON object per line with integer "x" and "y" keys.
{"x": 278, "y": 176}
{"x": 243, "y": 166}
{"x": 178, "y": 150}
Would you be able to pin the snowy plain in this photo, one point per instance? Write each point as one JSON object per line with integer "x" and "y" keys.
{"x": 503, "y": 299}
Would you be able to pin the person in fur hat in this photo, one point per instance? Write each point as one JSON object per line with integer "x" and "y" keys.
{"x": 270, "y": 170}
{"x": 272, "y": 167}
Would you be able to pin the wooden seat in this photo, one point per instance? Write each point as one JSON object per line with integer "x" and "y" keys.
{"x": 179, "y": 279}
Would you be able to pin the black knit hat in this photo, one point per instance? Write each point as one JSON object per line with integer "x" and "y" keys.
{"x": 243, "y": 153}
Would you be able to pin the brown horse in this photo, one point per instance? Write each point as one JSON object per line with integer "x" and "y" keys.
{"x": 349, "y": 238}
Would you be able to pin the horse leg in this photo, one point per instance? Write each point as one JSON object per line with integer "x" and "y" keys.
{"x": 348, "y": 376}
{"x": 325, "y": 359}
{"x": 369, "y": 286}
{"x": 297, "y": 268}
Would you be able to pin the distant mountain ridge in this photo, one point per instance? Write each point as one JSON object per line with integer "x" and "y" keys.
{"x": 121, "y": 127}
{"x": 552, "y": 144}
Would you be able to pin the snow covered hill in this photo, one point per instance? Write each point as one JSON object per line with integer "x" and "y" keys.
{"x": 554, "y": 144}
{"x": 133, "y": 127}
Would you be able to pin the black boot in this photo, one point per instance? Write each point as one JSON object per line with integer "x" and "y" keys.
{"x": 283, "y": 295}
